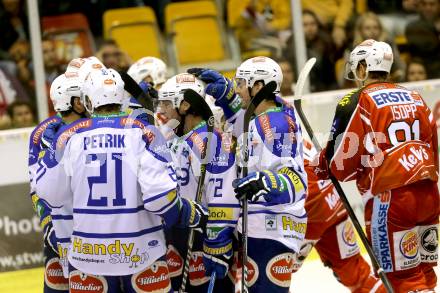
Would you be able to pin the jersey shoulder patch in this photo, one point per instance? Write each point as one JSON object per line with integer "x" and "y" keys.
{"x": 270, "y": 123}
{"x": 39, "y": 130}
{"x": 67, "y": 131}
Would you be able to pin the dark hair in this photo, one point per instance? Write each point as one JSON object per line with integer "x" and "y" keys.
{"x": 109, "y": 108}
{"x": 415, "y": 60}
{"x": 15, "y": 104}
{"x": 68, "y": 112}
{"x": 313, "y": 14}
{"x": 109, "y": 42}
{"x": 379, "y": 75}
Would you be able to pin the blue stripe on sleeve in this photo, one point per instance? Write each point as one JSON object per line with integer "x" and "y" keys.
{"x": 62, "y": 217}
{"x": 222, "y": 221}
{"x": 63, "y": 240}
{"x": 157, "y": 196}
{"x": 226, "y": 205}
{"x": 164, "y": 207}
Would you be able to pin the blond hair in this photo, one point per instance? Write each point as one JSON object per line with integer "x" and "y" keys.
{"x": 358, "y": 38}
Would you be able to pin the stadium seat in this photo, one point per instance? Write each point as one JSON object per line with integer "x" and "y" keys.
{"x": 72, "y": 35}
{"x": 196, "y": 35}
{"x": 136, "y": 31}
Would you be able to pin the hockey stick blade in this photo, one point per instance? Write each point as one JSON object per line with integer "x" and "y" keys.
{"x": 131, "y": 86}
{"x": 302, "y": 78}
{"x": 297, "y": 102}
{"x": 199, "y": 104}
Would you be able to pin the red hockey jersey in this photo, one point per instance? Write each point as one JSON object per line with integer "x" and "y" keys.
{"x": 383, "y": 136}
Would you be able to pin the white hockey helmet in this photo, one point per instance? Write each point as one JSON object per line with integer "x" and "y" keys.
{"x": 173, "y": 89}
{"x": 63, "y": 88}
{"x": 377, "y": 55}
{"x": 84, "y": 65}
{"x": 103, "y": 87}
{"x": 148, "y": 66}
{"x": 260, "y": 68}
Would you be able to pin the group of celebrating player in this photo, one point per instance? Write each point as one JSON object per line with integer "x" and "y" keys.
{"x": 123, "y": 200}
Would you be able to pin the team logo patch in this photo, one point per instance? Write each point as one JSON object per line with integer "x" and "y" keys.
{"x": 236, "y": 271}
{"x": 409, "y": 245}
{"x": 196, "y": 272}
{"x": 271, "y": 222}
{"x": 346, "y": 239}
{"x": 153, "y": 279}
{"x": 41, "y": 129}
{"x": 406, "y": 249}
{"x": 53, "y": 275}
{"x": 174, "y": 262}
{"x": 429, "y": 240}
{"x": 265, "y": 125}
{"x": 279, "y": 269}
{"x": 80, "y": 282}
{"x": 72, "y": 130}
{"x": 348, "y": 235}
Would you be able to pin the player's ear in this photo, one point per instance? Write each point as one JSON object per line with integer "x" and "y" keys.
{"x": 77, "y": 104}
{"x": 258, "y": 85}
{"x": 184, "y": 107}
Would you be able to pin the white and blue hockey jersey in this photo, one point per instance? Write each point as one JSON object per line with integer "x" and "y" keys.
{"x": 115, "y": 172}
{"x": 218, "y": 195}
{"x": 61, "y": 217}
{"x": 275, "y": 144}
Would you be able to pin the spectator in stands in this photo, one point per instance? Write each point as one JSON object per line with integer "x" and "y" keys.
{"x": 260, "y": 24}
{"x": 112, "y": 56}
{"x": 410, "y": 6}
{"x": 423, "y": 36}
{"x": 395, "y": 14}
{"x": 334, "y": 15}
{"x": 319, "y": 45}
{"x": 10, "y": 89}
{"x": 369, "y": 26}
{"x": 288, "y": 77}
{"x": 5, "y": 121}
{"x": 20, "y": 53}
{"x": 13, "y": 23}
{"x": 21, "y": 114}
{"x": 52, "y": 66}
{"x": 416, "y": 70}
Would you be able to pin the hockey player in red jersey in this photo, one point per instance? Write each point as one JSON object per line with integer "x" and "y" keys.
{"x": 384, "y": 137}
{"x": 332, "y": 234}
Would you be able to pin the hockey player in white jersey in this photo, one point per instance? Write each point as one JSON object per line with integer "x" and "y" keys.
{"x": 276, "y": 184}
{"x": 214, "y": 253}
{"x": 65, "y": 97}
{"x": 149, "y": 69}
{"x": 150, "y": 73}
{"x": 66, "y": 91}
{"x": 115, "y": 173}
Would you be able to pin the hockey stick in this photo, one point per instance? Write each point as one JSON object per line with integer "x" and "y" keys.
{"x": 198, "y": 102}
{"x": 131, "y": 86}
{"x": 211, "y": 282}
{"x": 299, "y": 87}
{"x": 267, "y": 90}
